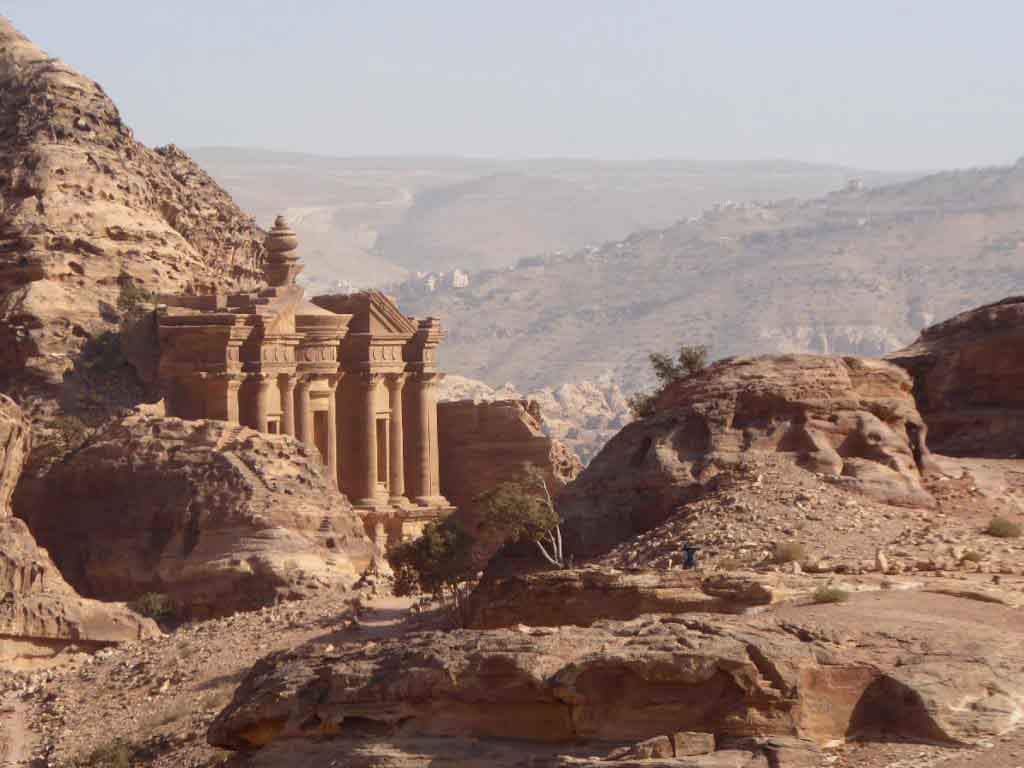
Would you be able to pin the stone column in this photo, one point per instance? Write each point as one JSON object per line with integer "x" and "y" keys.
{"x": 287, "y": 386}
{"x": 262, "y": 409}
{"x": 304, "y": 413}
{"x": 426, "y": 442}
{"x": 222, "y": 397}
{"x": 367, "y": 480}
{"x": 331, "y": 458}
{"x": 396, "y": 459}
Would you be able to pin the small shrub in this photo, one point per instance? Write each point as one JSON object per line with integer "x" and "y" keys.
{"x": 691, "y": 360}
{"x": 789, "y": 552}
{"x": 134, "y": 300}
{"x": 972, "y": 556}
{"x": 641, "y": 404}
{"x": 154, "y": 605}
{"x": 1003, "y": 528}
{"x": 115, "y": 754}
{"x": 830, "y": 595}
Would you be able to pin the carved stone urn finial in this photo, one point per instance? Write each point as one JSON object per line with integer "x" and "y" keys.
{"x": 282, "y": 262}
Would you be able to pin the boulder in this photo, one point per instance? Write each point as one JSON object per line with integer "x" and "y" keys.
{"x": 850, "y": 419}
{"x": 903, "y": 665}
{"x": 217, "y": 516}
{"x": 969, "y": 380}
{"x": 40, "y": 614}
{"x": 89, "y": 215}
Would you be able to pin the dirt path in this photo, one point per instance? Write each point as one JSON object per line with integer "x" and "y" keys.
{"x": 15, "y": 738}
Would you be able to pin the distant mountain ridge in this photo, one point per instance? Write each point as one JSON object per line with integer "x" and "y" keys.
{"x": 373, "y": 221}
{"x": 857, "y": 271}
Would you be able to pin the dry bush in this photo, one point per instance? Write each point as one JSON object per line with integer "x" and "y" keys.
{"x": 972, "y": 556}
{"x": 1003, "y": 528}
{"x": 789, "y": 552}
{"x": 830, "y": 595}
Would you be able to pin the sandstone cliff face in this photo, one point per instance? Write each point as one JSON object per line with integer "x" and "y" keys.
{"x": 486, "y": 443}
{"x": 897, "y": 663}
{"x": 969, "y": 380}
{"x": 39, "y": 612}
{"x": 850, "y": 419}
{"x": 86, "y": 210}
{"x": 219, "y": 517}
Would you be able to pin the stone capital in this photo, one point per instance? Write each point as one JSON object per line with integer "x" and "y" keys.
{"x": 369, "y": 380}
{"x": 395, "y": 381}
{"x": 429, "y": 378}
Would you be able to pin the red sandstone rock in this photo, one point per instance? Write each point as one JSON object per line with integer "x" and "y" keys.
{"x": 217, "y": 516}
{"x": 851, "y": 419}
{"x": 899, "y": 663}
{"x": 40, "y": 613}
{"x": 969, "y": 380}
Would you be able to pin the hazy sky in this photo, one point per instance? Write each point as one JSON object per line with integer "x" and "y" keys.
{"x": 895, "y": 85}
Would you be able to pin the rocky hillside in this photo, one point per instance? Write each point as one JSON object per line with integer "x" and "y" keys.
{"x": 87, "y": 212}
{"x": 860, "y": 271}
{"x": 851, "y": 420}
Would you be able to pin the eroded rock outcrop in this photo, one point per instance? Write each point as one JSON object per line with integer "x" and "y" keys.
{"x": 39, "y": 612}
{"x": 810, "y": 672}
{"x": 969, "y": 380}
{"x": 583, "y": 596}
{"x": 217, "y": 516}
{"x": 87, "y": 212}
{"x": 851, "y": 419}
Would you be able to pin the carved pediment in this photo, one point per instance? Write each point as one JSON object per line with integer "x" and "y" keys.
{"x": 386, "y": 317}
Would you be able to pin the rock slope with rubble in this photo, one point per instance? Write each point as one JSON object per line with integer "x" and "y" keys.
{"x": 218, "y": 517}
{"x": 87, "y": 212}
{"x": 850, "y": 419}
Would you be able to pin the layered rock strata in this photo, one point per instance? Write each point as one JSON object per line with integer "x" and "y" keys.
{"x": 811, "y": 673}
{"x": 39, "y": 612}
{"x": 969, "y": 380}
{"x": 583, "y": 596}
{"x": 850, "y": 419}
{"x": 217, "y": 516}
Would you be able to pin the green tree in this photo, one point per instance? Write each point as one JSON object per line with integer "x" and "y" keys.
{"x": 440, "y": 563}
{"x": 691, "y": 360}
{"x": 525, "y": 511}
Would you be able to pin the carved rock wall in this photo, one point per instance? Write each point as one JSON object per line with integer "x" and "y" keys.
{"x": 969, "y": 380}
{"x": 484, "y": 444}
{"x": 217, "y": 516}
{"x": 852, "y": 419}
